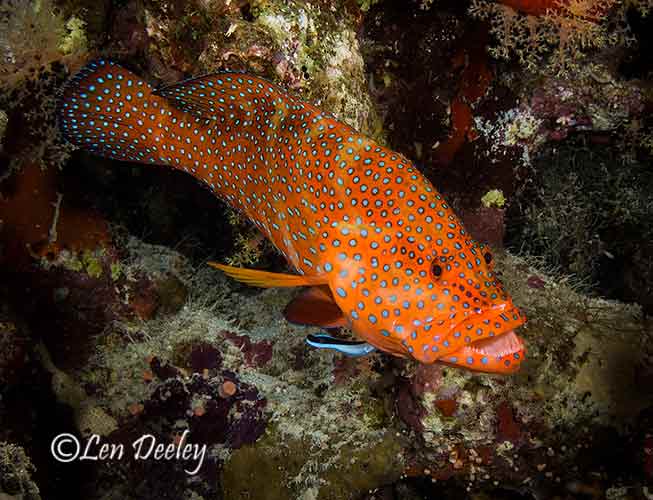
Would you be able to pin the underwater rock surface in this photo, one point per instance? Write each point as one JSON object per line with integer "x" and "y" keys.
{"x": 301, "y": 423}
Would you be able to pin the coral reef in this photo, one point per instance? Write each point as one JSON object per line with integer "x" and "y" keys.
{"x": 112, "y": 326}
{"x": 308, "y": 46}
{"x": 591, "y": 100}
{"x": 303, "y": 423}
{"x": 587, "y": 194}
{"x": 35, "y": 38}
{"x": 557, "y": 33}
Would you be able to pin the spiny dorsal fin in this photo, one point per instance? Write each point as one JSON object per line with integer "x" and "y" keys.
{"x": 237, "y": 96}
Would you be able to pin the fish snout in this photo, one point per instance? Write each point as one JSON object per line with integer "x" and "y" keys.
{"x": 497, "y": 348}
{"x": 454, "y": 338}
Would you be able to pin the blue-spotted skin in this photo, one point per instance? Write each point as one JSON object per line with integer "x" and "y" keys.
{"x": 332, "y": 201}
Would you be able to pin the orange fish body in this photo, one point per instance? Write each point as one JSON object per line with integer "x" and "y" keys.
{"x": 381, "y": 250}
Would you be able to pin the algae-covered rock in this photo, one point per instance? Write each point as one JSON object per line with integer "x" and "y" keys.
{"x": 588, "y": 368}
{"x": 16, "y": 471}
{"x": 318, "y": 42}
{"x": 311, "y": 48}
{"x": 282, "y": 421}
{"x": 226, "y": 367}
{"x": 279, "y": 467}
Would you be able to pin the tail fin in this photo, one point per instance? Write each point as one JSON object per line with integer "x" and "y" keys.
{"x": 109, "y": 111}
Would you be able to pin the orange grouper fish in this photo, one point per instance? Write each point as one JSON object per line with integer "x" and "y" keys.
{"x": 377, "y": 246}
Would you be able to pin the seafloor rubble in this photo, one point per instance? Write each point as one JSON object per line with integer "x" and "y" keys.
{"x": 112, "y": 326}
{"x": 284, "y": 421}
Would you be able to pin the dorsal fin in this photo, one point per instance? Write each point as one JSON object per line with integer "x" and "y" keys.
{"x": 216, "y": 96}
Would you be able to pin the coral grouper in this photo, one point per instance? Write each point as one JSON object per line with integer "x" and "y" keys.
{"x": 378, "y": 248}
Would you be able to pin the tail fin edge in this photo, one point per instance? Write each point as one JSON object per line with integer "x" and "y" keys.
{"x": 109, "y": 111}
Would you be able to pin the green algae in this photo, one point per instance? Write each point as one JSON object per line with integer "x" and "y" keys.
{"x": 494, "y": 197}
{"x": 88, "y": 261}
{"x": 71, "y": 261}
{"x": 74, "y": 41}
{"x": 92, "y": 263}
{"x": 116, "y": 271}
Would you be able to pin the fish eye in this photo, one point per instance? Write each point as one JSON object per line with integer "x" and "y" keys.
{"x": 488, "y": 257}
{"x": 436, "y": 270}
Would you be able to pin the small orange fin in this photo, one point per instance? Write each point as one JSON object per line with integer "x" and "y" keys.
{"x": 265, "y": 279}
{"x": 316, "y": 307}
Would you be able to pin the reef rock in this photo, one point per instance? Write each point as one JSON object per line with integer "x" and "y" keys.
{"x": 283, "y": 421}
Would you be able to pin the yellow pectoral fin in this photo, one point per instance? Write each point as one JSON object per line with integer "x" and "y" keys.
{"x": 265, "y": 279}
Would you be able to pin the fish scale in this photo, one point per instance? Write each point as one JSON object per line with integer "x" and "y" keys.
{"x": 346, "y": 213}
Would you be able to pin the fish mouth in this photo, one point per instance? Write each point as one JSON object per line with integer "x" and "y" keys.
{"x": 506, "y": 344}
{"x": 502, "y": 352}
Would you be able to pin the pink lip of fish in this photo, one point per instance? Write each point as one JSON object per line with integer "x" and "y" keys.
{"x": 378, "y": 247}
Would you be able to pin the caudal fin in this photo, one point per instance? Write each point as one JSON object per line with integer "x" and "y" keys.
{"x": 109, "y": 111}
